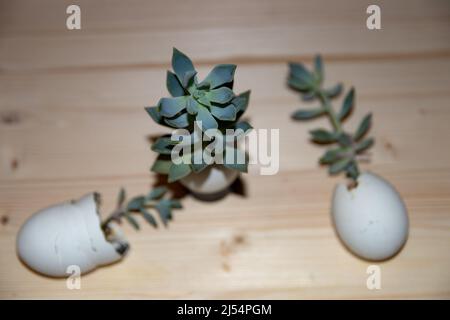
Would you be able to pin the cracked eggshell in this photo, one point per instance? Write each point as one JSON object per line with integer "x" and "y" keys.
{"x": 212, "y": 179}
{"x": 67, "y": 234}
{"x": 370, "y": 219}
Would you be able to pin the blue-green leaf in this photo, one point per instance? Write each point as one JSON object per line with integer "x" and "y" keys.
{"x": 161, "y": 166}
{"x": 188, "y": 79}
{"x": 148, "y": 217}
{"x": 323, "y": 136}
{"x": 136, "y": 203}
{"x": 154, "y": 113}
{"x": 192, "y": 106}
{"x": 334, "y": 91}
{"x": 220, "y": 95}
{"x": 347, "y": 105}
{"x": 173, "y": 85}
{"x": 300, "y": 77}
{"x": 171, "y": 106}
{"x": 132, "y": 221}
{"x": 163, "y": 145}
{"x": 208, "y": 121}
{"x": 181, "y": 121}
{"x": 318, "y": 68}
{"x": 363, "y": 127}
{"x": 241, "y": 101}
{"x": 178, "y": 171}
{"x": 364, "y": 145}
{"x": 181, "y": 64}
{"x": 157, "y": 193}
{"x": 164, "y": 210}
{"x": 227, "y": 113}
{"x": 339, "y": 165}
{"x": 219, "y": 75}
{"x": 307, "y": 114}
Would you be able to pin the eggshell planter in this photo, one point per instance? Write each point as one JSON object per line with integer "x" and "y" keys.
{"x": 212, "y": 183}
{"x": 370, "y": 219}
{"x": 69, "y": 234}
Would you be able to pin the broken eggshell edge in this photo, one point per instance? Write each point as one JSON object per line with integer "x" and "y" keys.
{"x": 69, "y": 234}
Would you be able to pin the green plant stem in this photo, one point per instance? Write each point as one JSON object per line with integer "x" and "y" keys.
{"x": 330, "y": 111}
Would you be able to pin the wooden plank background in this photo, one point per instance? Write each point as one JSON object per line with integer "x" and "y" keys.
{"x": 72, "y": 121}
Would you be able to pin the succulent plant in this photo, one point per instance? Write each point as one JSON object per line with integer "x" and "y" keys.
{"x": 211, "y": 101}
{"x": 140, "y": 205}
{"x": 349, "y": 146}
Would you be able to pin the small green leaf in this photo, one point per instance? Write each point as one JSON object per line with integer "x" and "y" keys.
{"x": 307, "y": 114}
{"x": 300, "y": 78}
{"x": 181, "y": 64}
{"x": 136, "y": 203}
{"x": 121, "y": 197}
{"x": 163, "y": 145}
{"x": 154, "y": 113}
{"x": 180, "y": 121}
{"x": 192, "y": 106}
{"x": 132, "y": 221}
{"x": 148, "y": 217}
{"x": 323, "y": 136}
{"x": 220, "y": 95}
{"x": 332, "y": 155}
{"x": 219, "y": 75}
{"x": 318, "y": 68}
{"x": 345, "y": 140}
{"x": 227, "y": 113}
{"x": 334, "y": 91}
{"x": 178, "y": 171}
{"x": 347, "y": 105}
{"x": 208, "y": 121}
{"x": 364, "y": 145}
{"x": 169, "y": 107}
{"x": 189, "y": 78}
{"x": 161, "y": 166}
{"x": 339, "y": 166}
{"x": 157, "y": 193}
{"x": 241, "y": 101}
{"x": 173, "y": 85}
{"x": 164, "y": 210}
{"x": 352, "y": 170}
{"x": 244, "y": 126}
{"x": 363, "y": 127}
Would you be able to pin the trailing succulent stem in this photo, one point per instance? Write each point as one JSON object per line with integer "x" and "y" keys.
{"x": 211, "y": 102}
{"x": 142, "y": 205}
{"x": 348, "y": 146}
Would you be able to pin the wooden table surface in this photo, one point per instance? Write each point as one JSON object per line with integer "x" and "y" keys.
{"x": 72, "y": 121}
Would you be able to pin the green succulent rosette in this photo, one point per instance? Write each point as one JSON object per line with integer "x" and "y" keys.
{"x": 211, "y": 102}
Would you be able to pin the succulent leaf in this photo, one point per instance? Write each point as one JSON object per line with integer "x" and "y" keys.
{"x": 347, "y": 105}
{"x": 153, "y": 113}
{"x": 169, "y": 107}
{"x": 178, "y": 171}
{"x": 334, "y": 91}
{"x": 318, "y": 68}
{"x": 161, "y": 166}
{"x": 181, "y": 64}
{"x": 339, "y": 166}
{"x": 307, "y": 114}
{"x": 363, "y": 127}
{"x": 300, "y": 78}
{"x": 179, "y": 122}
{"x": 148, "y": 217}
{"x": 364, "y": 145}
{"x": 241, "y": 101}
{"x": 208, "y": 121}
{"x": 238, "y": 154}
{"x": 219, "y": 75}
{"x": 220, "y": 95}
{"x": 173, "y": 85}
{"x": 132, "y": 221}
{"x": 163, "y": 145}
{"x": 323, "y": 136}
{"x": 157, "y": 193}
{"x": 227, "y": 113}
{"x": 164, "y": 210}
{"x": 192, "y": 106}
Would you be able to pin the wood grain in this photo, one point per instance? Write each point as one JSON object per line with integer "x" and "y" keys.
{"x": 72, "y": 121}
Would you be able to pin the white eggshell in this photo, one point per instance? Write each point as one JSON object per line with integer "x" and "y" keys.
{"x": 212, "y": 179}
{"x": 371, "y": 219}
{"x": 63, "y": 235}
